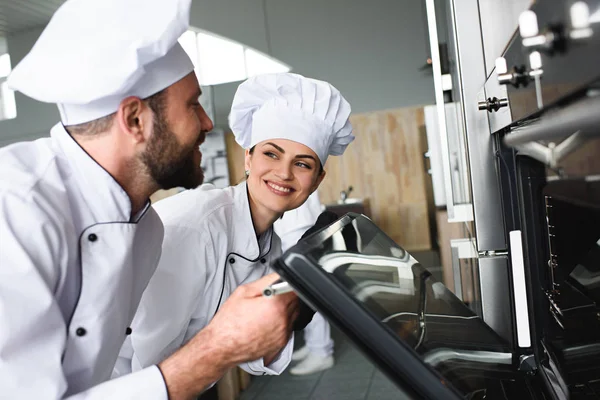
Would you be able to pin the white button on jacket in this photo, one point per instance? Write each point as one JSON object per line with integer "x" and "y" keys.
{"x": 73, "y": 267}
{"x": 210, "y": 248}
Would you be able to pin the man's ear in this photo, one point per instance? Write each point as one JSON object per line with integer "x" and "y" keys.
{"x": 134, "y": 118}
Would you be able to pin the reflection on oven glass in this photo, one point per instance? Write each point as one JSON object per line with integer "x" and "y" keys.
{"x": 420, "y": 311}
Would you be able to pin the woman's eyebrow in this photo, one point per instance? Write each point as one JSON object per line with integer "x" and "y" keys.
{"x": 282, "y": 151}
{"x": 277, "y": 147}
{"x": 306, "y": 156}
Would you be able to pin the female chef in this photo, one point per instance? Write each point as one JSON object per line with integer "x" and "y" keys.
{"x": 218, "y": 239}
{"x": 317, "y": 353}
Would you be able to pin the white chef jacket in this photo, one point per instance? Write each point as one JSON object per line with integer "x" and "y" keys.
{"x": 295, "y": 223}
{"x": 210, "y": 248}
{"x": 73, "y": 267}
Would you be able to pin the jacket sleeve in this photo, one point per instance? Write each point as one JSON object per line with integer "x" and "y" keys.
{"x": 279, "y": 364}
{"x": 145, "y": 384}
{"x": 32, "y": 327}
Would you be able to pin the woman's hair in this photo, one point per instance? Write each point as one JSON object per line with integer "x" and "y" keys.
{"x": 320, "y": 165}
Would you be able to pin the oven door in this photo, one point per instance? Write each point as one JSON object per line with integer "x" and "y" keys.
{"x": 411, "y": 326}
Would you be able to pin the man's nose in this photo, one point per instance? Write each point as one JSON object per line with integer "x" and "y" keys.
{"x": 205, "y": 121}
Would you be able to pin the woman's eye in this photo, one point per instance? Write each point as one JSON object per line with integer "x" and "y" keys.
{"x": 270, "y": 154}
{"x": 303, "y": 165}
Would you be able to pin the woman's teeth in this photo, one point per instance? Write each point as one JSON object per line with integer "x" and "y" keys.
{"x": 277, "y": 187}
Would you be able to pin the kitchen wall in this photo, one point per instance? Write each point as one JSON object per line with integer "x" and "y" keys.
{"x": 371, "y": 51}
{"x": 34, "y": 119}
{"x": 3, "y": 45}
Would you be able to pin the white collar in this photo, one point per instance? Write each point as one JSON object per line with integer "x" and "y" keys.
{"x": 106, "y": 199}
{"x": 245, "y": 242}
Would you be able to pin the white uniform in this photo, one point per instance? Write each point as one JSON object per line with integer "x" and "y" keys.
{"x": 294, "y": 223}
{"x": 210, "y": 248}
{"x": 290, "y": 228}
{"x": 73, "y": 267}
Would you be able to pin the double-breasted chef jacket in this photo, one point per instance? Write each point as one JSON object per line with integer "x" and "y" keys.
{"x": 73, "y": 267}
{"x": 210, "y": 248}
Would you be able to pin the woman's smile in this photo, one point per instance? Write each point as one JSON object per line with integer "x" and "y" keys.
{"x": 279, "y": 189}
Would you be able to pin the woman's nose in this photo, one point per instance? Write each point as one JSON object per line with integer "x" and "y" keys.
{"x": 284, "y": 171}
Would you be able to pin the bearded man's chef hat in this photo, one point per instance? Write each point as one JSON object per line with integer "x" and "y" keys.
{"x": 94, "y": 53}
{"x": 290, "y": 106}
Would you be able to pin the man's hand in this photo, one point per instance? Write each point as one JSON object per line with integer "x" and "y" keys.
{"x": 251, "y": 326}
{"x": 248, "y": 326}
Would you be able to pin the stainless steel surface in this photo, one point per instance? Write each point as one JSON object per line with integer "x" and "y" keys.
{"x": 436, "y": 357}
{"x": 435, "y": 155}
{"x": 457, "y": 163}
{"x": 501, "y": 23}
{"x": 527, "y": 363}
{"x": 545, "y": 42}
{"x": 531, "y": 37}
{"x": 277, "y": 288}
{"x": 503, "y": 117}
{"x": 552, "y": 154}
{"x": 495, "y": 295}
{"x": 581, "y": 116}
{"x": 456, "y": 272}
{"x": 455, "y": 214}
{"x": 566, "y": 67}
{"x": 464, "y": 249}
{"x": 345, "y": 193}
{"x": 517, "y": 76}
{"x": 351, "y": 200}
{"x": 485, "y": 192}
{"x": 22, "y": 15}
{"x": 492, "y": 104}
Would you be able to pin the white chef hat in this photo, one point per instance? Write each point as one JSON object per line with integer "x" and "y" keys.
{"x": 290, "y": 106}
{"x": 94, "y": 53}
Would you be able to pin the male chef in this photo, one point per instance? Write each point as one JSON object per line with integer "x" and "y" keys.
{"x": 79, "y": 240}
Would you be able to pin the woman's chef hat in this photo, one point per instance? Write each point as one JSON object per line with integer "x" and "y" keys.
{"x": 290, "y": 106}
{"x": 94, "y": 53}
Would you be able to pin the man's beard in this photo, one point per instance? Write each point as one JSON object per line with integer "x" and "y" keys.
{"x": 169, "y": 164}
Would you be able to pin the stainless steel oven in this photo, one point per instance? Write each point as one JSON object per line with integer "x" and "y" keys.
{"x": 520, "y": 137}
{"x": 472, "y": 185}
{"x": 543, "y": 103}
